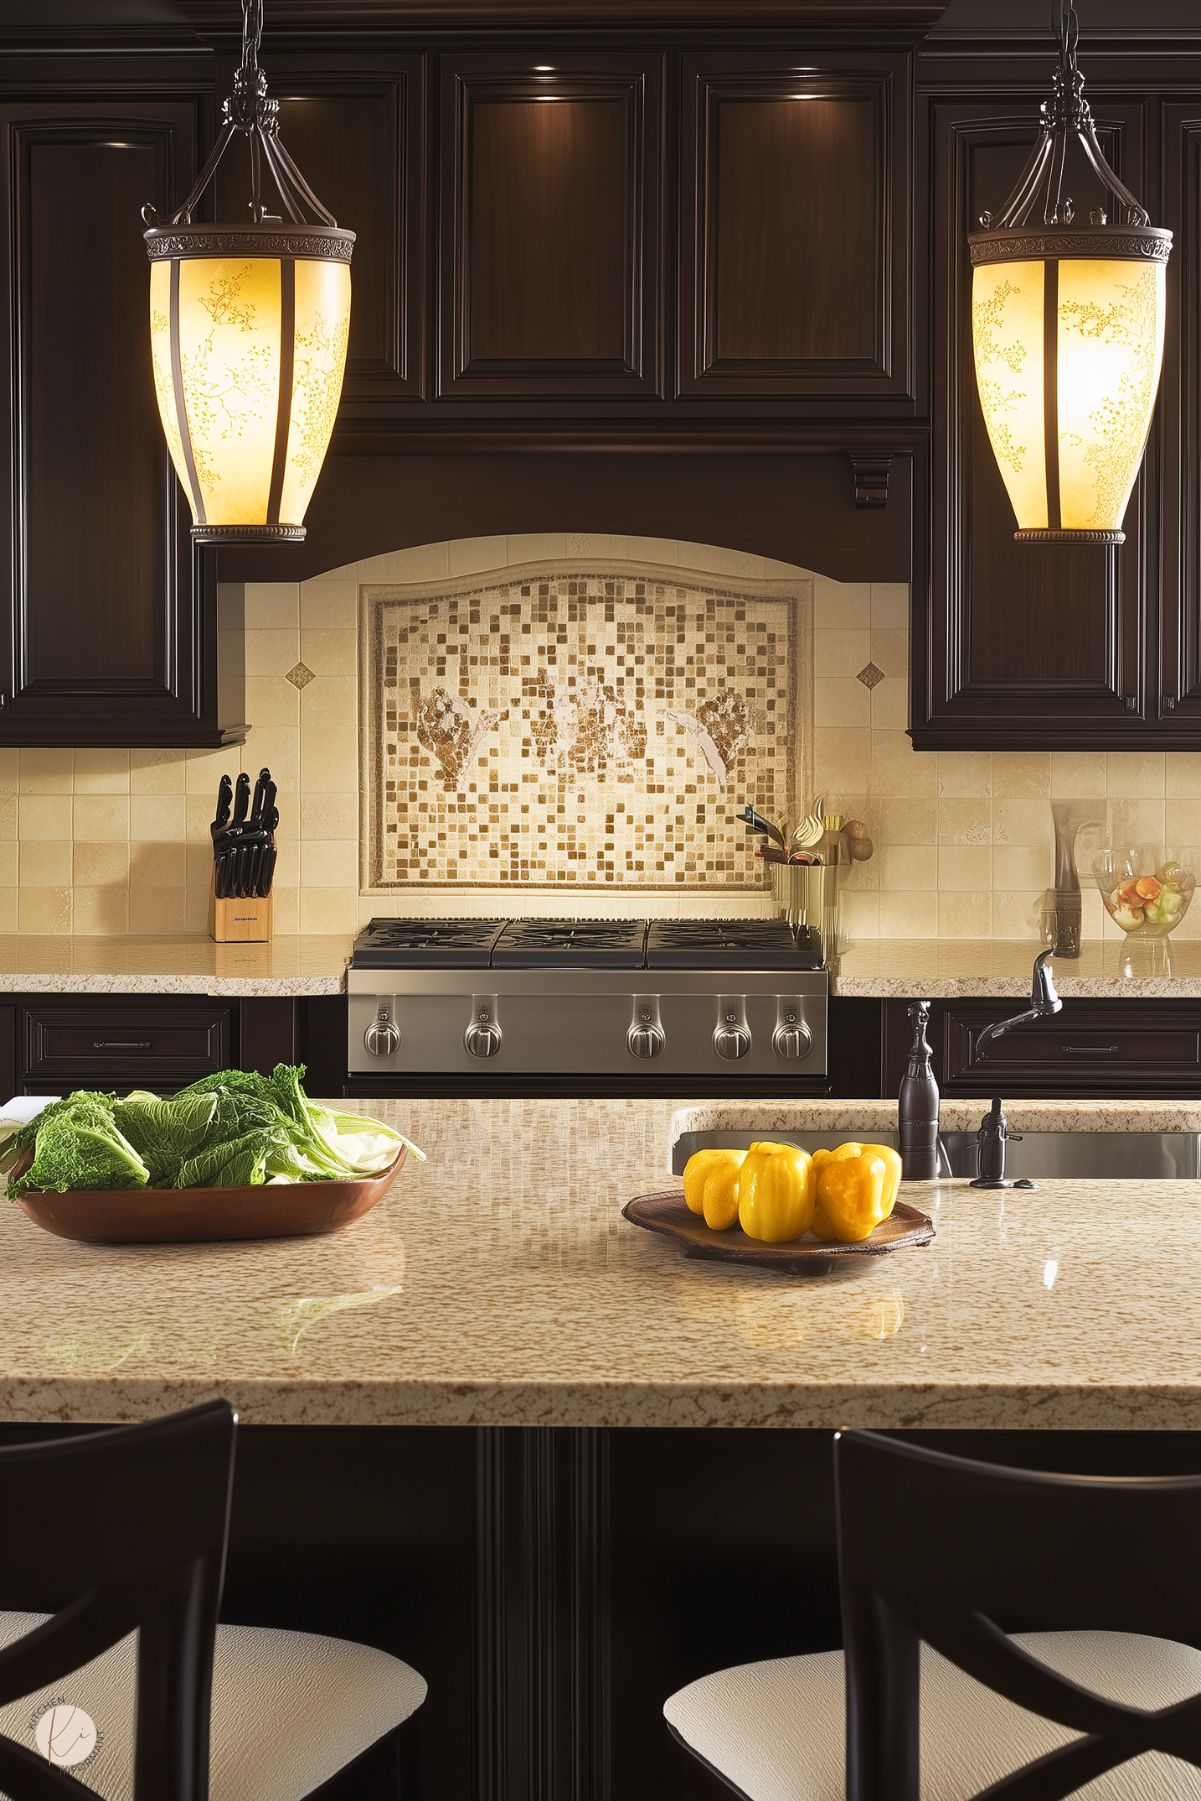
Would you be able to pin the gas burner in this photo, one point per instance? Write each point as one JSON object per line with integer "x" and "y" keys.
{"x": 578, "y": 943}
{"x": 730, "y": 944}
{"x": 426, "y": 943}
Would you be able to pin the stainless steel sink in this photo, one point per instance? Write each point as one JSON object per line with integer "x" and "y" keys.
{"x": 1108, "y": 1156}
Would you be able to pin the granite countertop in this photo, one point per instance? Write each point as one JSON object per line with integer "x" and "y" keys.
{"x": 187, "y": 964}
{"x": 858, "y": 1117}
{"x": 499, "y": 1285}
{"x": 962, "y": 969}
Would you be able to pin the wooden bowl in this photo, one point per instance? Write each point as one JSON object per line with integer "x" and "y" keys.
{"x": 668, "y": 1213}
{"x": 206, "y": 1215}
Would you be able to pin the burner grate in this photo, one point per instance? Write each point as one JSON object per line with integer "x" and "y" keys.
{"x": 426, "y": 944}
{"x": 729, "y": 944}
{"x": 575, "y": 943}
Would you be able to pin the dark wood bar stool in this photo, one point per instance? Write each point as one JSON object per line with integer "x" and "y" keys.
{"x": 942, "y": 1693}
{"x": 131, "y": 1690}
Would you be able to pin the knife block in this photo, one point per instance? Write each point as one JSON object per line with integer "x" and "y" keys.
{"x": 234, "y": 921}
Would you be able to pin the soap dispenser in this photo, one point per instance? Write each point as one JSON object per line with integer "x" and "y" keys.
{"x": 918, "y": 1104}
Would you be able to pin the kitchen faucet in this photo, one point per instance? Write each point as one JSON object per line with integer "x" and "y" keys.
{"x": 994, "y": 1132}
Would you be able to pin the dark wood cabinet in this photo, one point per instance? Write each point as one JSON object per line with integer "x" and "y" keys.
{"x": 795, "y": 243}
{"x": 108, "y": 627}
{"x": 551, "y": 178}
{"x": 1180, "y": 407}
{"x": 1017, "y": 645}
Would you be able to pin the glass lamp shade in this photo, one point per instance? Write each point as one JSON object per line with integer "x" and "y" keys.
{"x": 248, "y": 329}
{"x": 1067, "y": 331}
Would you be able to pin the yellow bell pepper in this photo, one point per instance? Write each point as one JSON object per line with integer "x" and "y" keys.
{"x": 841, "y": 1155}
{"x": 851, "y": 1195}
{"x": 776, "y": 1193}
{"x": 892, "y": 1163}
{"x": 711, "y": 1186}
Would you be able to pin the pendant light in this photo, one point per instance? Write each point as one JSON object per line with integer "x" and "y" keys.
{"x": 248, "y": 327}
{"x": 1067, "y": 329}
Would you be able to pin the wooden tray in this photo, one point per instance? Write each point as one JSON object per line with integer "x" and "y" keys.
{"x": 206, "y": 1215}
{"x": 669, "y": 1214}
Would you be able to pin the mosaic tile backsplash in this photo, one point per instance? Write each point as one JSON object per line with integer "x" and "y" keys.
{"x": 586, "y": 728}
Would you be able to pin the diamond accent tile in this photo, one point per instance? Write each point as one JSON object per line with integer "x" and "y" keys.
{"x": 870, "y": 676}
{"x": 300, "y": 675}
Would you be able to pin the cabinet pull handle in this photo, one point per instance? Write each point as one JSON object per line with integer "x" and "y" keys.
{"x": 121, "y": 1044}
{"x": 1090, "y": 1050}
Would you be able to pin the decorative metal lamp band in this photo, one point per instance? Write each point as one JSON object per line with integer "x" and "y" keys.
{"x": 1067, "y": 330}
{"x": 248, "y": 332}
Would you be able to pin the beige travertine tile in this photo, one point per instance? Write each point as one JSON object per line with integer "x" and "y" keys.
{"x": 890, "y": 606}
{"x": 45, "y": 863}
{"x": 104, "y": 865}
{"x": 911, "y": 866}
{"x": 1137, "y": 821}
{"x": 472, "y": 556}
{"x": 840, "y": 653}
{"x": 905, "y": 915}
{"x": 839, "y": 702}
{"x": 1078, "y": 774}
{"x": 529, "y": 547}
{"x": 905, "y": 822}
{"x": 1022, "y": 822}
{"x": 10, "y": 771}
{"x": 842, "y": 606}
{"x": 330, "y": 700}
{"x": 1026, "y": 866}
{"x": 964, "y": 774}
{"x": 46, "y": 771}
{"x": 8, "y": 909}
{"x": 272, "y": 653}
{"x": 1182, "y": 773}
{"x": 713, "y": 559}
{"x": 8, "y": 815}
{"x": 270, "y": 700}
{"x": 101, "y": 772}
{"x": 285, "y": 911}
{"x": 964, "y": 822}
{"x": 664, "y": 551}
{"x": 965, "y": 915}
{"x": 328, "y": 910}
{"x": 1018, "y": 914}
{"x": 900, "y": 771}
{"x": 329, "y": 758}
{"x": 890, "y": 705}
{"x": 49, "y": 815}
{"x": 270, "y": 606}
{"x": 154, "y": 865}
{"x": 418, "y": 563}
{"x": 162, "y": 817}
{"x": 157, "y": 910}
{"x": 611, "y": 546}
{"x": 1135, "y": 774}
{"x": 842, "y": 759}
{"x": 1021, "y": 774}
{"x": 1182, "y": 823}
{"x": 330, "y": 652}
{"x": 325, "y": 816}
{"x": 43, "y": 910}
{"x": 157, "y": 771}
{"x": 203, "y": 769}
{"x": 329, "y": 606}
{"x": 890, "y": 652}
{"x": 861, "y": 915}
{"x": 100, "y": 912}
{"x": 10, "y": 852}
{"x": 964, "y": 867}
{"x": 275, "y": 747}
{"x": 330, "y": 863}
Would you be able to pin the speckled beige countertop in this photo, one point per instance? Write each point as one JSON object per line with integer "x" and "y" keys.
{"x": 776, "y": 1115}
{"x": 961, "y": 969}
{"x": 499, "y": 1285}
{"x": 172, "y": 965}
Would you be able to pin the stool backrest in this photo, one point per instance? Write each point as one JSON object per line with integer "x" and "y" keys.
{"x": 134, "y": 1522}
{"x": 935, "y": 1548}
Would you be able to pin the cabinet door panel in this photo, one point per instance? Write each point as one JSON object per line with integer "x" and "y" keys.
{"x": 356, "y": 134}
{"x": 1029, "y": 645}
{"x": 795, "y": 272}
{"x": 1180, "y": 401}
{"x": 549, "y": 211}
{"x": 110, "y": 637}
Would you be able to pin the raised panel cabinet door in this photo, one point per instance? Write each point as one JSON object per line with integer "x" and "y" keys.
{"x": 108, "y": 631}
{"x": 1180, "y": 405}
{"x": 795, "y": 252}
{"x": 354, "y": 126}
{"x": 549, "y": 213}
{"x": 1028, "y": 646}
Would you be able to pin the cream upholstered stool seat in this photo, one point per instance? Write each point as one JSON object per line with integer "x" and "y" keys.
{"x": 289, "y": 1711}
{"x": 775, "y": 1731}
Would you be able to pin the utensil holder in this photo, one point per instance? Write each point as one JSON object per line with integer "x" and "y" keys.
{"x": 235, "y": 921}
{"x": 808, "y": 894}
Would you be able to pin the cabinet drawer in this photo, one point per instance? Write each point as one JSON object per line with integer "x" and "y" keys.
{"x": 161, "y": 1044}
{"x": 1090, "y": 1048}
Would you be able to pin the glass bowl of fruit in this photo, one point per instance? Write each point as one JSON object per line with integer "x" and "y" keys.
{"x": 1147, "y": 888}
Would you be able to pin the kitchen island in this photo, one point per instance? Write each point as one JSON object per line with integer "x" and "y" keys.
{"x": 479, "y": 1422}
{"x": 498, "y": 1285}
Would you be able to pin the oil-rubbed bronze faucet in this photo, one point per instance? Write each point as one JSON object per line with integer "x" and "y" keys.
{"x": 994, "y": 1133}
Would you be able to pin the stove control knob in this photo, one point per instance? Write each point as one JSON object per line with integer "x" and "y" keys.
{"x": 382, "y": 1037}
{"x": 792, "y": 1037}
{"x": 731, "y": 1039}
{"x": 646, "y": 1037}
{"x": 483, "y": 1035}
